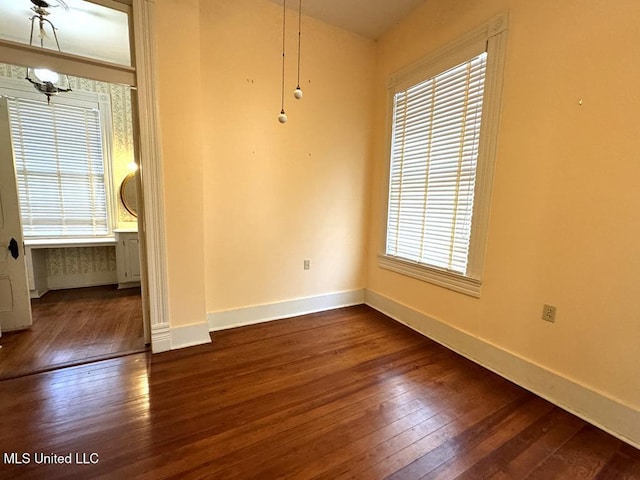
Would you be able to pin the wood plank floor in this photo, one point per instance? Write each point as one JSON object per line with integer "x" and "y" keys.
{"x": 342, "y": 394}
{"x": 74, "y": 326}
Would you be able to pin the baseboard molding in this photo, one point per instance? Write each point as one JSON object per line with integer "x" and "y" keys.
{"x": 190, "y": 335}
{"x": 606, "y": 413}
{"x": 160, "y": 337}
{"x": 37, "y": 293}
{"x": 239, "y": 317}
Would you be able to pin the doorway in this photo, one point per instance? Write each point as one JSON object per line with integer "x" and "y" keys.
{"x": 85, "y": 288}
{"x": 139, "y": 15}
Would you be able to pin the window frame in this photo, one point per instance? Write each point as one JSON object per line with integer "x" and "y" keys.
{"x": 489, "y": 37}
{"x": 13, "y": 88}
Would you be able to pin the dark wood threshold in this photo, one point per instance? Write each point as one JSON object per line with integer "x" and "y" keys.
{"x": 75, "y": 363}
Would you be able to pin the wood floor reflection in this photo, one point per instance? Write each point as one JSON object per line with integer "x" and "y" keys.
{"x": 74, "y": 326}
{"x": 342, "y": 394}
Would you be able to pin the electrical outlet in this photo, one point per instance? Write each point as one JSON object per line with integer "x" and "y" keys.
{"x": 549, "y": 313}
{"x": 307, "y": 264}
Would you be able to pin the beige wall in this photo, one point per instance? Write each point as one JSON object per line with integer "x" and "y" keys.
{"x": 564, "y": 223}
{"x": 275, "y": 194}
{"x": 180, "y": 95}
{"x": 249, "y": 199}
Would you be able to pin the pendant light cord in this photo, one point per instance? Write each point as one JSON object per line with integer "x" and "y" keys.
{"x": 284, "y": 29}
{"x": 299, "y": 38}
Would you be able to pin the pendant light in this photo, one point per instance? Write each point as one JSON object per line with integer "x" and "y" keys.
{"x": 282, "y": 118}
{"x": 44, "y": 80}
{"x": 297, "y": 93}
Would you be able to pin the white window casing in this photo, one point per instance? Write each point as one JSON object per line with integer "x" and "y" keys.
{"x": 444, "y": 115}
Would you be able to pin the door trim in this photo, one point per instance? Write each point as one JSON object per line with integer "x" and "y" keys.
{"x": 151, "y": 173}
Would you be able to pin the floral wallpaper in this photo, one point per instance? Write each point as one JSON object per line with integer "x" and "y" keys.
{"x": 63, "y": 261}
{"x": 74, "y": 260}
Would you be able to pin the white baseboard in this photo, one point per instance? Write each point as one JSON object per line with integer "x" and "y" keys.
{"x": 80, "y": 280}
{"x": 37, "y": 293}
{"x": 160, "y": 337}
{"x": 618, "y": 419}
{"x": 190, "y": 335}
{"x": 291, "y": 308}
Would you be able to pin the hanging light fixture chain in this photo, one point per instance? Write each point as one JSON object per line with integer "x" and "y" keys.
{"x": 33, "y": 19}
{"x": 282, "y": 118}
{"x": 284, "y": 29}
{"x": 299, "y": 38}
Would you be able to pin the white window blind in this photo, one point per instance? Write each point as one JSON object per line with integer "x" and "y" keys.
{"x": 60, "y": 169}
{"x": 434, "y": 152}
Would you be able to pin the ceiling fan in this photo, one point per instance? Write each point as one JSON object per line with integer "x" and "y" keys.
{"x": 41, "y": 5}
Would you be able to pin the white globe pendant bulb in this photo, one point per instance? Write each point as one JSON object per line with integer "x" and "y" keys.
{"x": 297, "y": 93}
{"x": 45, "y": 75}
{"x": 282, "y": 118}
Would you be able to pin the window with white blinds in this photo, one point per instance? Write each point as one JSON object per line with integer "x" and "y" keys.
{"x": 434, "y": 153}
{"x": 444, "y": 115}
{"x": 59, "y": 162}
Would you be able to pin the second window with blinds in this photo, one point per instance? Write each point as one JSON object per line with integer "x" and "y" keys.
{"x": 444, "y": 118}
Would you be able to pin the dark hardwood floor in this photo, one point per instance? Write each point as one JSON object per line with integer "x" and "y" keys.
{"x": 342, "y": 394}
{"x": 74, "y": 326}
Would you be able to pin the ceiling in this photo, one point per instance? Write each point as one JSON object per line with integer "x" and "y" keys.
{"x": 85, "y": 29}
{"x": 369, "y": 18}
{"x": 98, "y": 32}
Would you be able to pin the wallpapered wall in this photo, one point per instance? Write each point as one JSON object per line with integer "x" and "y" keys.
{"x": 68, "y": 261}
{"x": 80, "y": 260}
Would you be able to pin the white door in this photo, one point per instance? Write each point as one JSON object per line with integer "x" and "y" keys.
{"x": 15, "y": 306}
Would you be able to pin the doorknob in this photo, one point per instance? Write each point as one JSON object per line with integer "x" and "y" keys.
{"x": 13, "y": 248}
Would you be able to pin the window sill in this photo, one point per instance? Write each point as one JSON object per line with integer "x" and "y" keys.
{"x": 69, "y": 242}
{"x": 442, "y": 278}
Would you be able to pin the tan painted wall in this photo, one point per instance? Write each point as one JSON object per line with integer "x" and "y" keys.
{"x": 180, "y": 95}
{"x": 278, "y": 194}
{"x": 564, "y": 223}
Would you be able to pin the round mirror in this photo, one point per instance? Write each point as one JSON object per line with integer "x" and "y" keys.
{"x": 128, "y": 195}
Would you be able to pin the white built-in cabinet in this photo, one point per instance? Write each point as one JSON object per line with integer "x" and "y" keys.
{"x": 127, "y": 264}
{"x": 128, "y": 258}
